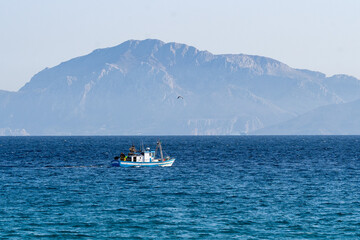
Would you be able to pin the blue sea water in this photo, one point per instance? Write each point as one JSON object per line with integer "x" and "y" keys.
{"x": 244, "y": 187}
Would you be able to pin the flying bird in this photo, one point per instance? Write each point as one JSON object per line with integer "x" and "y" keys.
{"x": 180, "y": 97}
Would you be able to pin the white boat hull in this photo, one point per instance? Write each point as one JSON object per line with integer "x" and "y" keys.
{"x": 167, "y": 163}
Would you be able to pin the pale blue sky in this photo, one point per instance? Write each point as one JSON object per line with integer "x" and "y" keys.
{"x": 320, "y": 35}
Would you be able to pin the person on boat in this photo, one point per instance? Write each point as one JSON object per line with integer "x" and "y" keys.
{"x": 132, "y": 150}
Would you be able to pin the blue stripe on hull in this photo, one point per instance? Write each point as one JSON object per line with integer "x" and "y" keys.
{"x": 167, "y": 163}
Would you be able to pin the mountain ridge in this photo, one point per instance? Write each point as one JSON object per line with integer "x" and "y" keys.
{"x": 223, "y": 94}
{"x": 334, "y": 119}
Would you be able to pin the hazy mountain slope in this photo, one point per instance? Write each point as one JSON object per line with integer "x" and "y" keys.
{"x": 333, "y": 119}
{"x": 346, "y": 87}
{"x": 3, "y": 96}
{"x": 6, "y": 117}
{"x": 132, "y": 88}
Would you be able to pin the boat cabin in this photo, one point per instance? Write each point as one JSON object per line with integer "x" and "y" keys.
{"x": 146, "y": 156}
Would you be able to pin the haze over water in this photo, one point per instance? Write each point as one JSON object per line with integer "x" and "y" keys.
{"x": 218, "y": 188}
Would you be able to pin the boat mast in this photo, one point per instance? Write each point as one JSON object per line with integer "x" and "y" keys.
{"x": 161, "y": 153}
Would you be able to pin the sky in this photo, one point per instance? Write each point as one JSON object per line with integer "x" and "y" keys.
{"x": 319, "y": 35}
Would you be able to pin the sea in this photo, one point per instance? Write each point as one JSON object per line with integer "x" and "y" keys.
{"x": 220, "y": 187}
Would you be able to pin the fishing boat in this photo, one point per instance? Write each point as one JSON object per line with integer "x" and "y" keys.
{"x": 143, "y": 158}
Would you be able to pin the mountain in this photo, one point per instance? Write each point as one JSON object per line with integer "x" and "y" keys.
{"x": 133, "y": 88}
{"x": 333, "y": 119}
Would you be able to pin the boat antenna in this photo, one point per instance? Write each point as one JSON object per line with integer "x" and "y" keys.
{"x": 165, "y": 153}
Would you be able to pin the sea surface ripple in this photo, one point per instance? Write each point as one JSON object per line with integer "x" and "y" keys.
{"x": 241, "y": 187}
